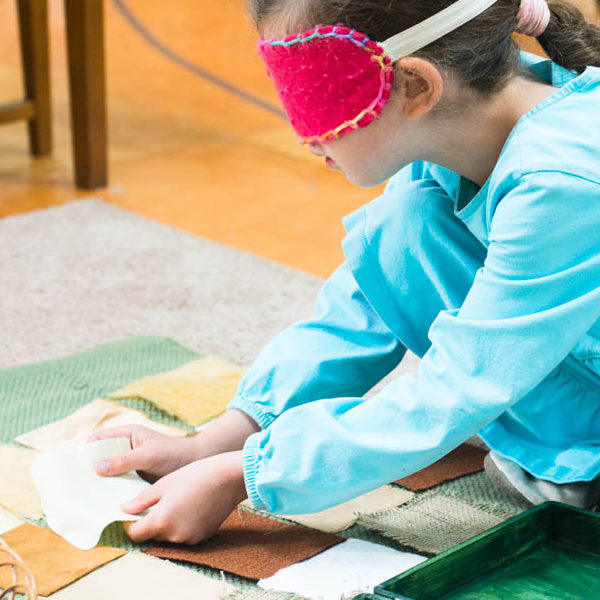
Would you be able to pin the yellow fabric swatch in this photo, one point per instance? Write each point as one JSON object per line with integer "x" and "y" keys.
{"x": 55, "y": 563}
{"x": 78, "y": 426}
{"x": 340, "y": 517}
{"x": 138, "y": 575}
{"x": 197, "y": 392}
{"x": 17, "y": 490}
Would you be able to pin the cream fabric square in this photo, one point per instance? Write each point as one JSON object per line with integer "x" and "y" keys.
{"x": 342, "y": 516}
{"x": 8, "y": 521}
{"x": 141, "y": 576}
{"x": 17, "y": 490}
{"x": 78, "y": 426}
{"x": 77, "y": 502}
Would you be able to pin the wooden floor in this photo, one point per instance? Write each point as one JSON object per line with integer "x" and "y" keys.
{"x": 184, "y": 151}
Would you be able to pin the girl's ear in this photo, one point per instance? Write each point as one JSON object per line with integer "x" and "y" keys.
{"x": 420, "y": 84}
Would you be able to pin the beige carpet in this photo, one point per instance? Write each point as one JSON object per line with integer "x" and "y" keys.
{"x": 88, "y": 273}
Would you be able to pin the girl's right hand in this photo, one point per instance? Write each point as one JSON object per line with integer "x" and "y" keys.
{"x": 156, "y": 455}
{"x": 152, "y": 453}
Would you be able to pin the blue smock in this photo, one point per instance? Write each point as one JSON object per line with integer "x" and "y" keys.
{"x": 497, "y": 289}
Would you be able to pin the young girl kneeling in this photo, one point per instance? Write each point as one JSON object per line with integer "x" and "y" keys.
{"x": 482, "y": 257}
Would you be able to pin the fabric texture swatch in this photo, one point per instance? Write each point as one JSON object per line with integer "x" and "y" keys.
{"x": 78, "y": 503}
{"x": 78, "y": 426}
{"x": 345, "y": 515}
{"x": 432, "y": 523}
{"x": 257, "y": 593}
{"x": 197, "y": 392}
{"x": 252, "y": 546}
{"x": 137, "y": 575}
{"x": 343, "y": 571}
{"x": 37, "y": 394}
{"x": 8, "y": 521}
{"x": 17, "y": 490}
{"x": 464, "y": 460}
{"x": 55, "y": 563}
{"x": 479, "y": 491}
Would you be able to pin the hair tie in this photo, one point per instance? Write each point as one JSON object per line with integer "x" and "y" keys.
{"x": 533, "y": 17}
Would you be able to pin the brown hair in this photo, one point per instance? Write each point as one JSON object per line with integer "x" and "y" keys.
{"x": 482, "y": 52}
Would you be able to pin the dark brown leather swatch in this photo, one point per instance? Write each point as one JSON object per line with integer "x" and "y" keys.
{"x": 464, "y": 460}
{"x": 251, "y": 545}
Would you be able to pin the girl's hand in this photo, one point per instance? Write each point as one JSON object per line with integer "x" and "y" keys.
{"x": 190, "y": 504}
{"x": 152, "y": 453}
{"x": 157, "y": 455}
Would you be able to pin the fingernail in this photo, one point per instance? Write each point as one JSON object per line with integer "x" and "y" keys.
{"x": 102, "y": 467}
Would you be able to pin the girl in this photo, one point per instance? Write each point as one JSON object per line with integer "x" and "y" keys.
{"x": 482, "y": 256}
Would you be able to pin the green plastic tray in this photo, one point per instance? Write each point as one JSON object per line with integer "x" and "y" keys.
{"x": 551, "y": 552}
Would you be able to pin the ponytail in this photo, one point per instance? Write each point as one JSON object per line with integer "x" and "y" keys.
{"x": 569, "y": 39}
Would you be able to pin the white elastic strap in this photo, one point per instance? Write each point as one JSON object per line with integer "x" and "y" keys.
{"x": 432, "y": 29}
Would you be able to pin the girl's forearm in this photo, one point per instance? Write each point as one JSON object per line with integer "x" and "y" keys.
{"x": 227, "y": 433}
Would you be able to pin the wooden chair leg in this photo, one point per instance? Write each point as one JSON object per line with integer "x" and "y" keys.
{"x": 33, "y": 26}
{"x": 85, "y": 45}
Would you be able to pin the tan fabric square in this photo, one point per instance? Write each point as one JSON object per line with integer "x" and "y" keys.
{"x": 137, "y": 575}
{"x": 197, "y": 392}
{"x": 252, "y": 546}
{"x": 17, "y": 491}
{"x": 55, "y": 563}
{"x": 431, "y": 523}
{"x": 78, "y": 426}
{"x": 464, "y": 460}
{"x": 342, "y": 516}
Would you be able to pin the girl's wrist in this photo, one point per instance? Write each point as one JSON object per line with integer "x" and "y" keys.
{"x": 227, "y": 433}
{"x": 233, "y": 474}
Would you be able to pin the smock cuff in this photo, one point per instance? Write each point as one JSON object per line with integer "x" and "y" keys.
{"x": 250, "y": 465}
{"x": 252, "y": 409}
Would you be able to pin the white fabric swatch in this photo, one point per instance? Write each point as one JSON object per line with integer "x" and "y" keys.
{"x": 76, "y": 428}
{"x": 8, "y": 521}
{"x": 77, "y": 502}
{"x": 345, "y": 570}
{"x": 137, "y": 575}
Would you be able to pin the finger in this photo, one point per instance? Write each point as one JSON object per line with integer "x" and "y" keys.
{"x": 126, "y": 431}
{"x": 144, "y": 500}
{"x": 151, "y": 526}
{"x": 134, "y": 460}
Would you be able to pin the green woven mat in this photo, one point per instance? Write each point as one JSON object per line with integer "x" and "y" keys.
{"x": 37, "y": 394}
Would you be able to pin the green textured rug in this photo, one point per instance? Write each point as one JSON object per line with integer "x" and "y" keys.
{"x": 37, "y": 394}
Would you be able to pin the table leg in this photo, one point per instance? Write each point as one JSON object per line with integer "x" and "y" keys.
{"x": 33, "y": 30}
{"x": 85, "y": 45}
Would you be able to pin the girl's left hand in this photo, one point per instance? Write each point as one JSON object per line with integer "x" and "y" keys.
{"x": 191, "y": 503}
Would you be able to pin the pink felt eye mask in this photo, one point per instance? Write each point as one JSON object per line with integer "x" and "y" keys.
{"x": 330, "y": 80}
{"x": 333, "y": 79}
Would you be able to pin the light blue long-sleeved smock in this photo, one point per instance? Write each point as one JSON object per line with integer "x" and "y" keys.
{"x": 497, "y": 289}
